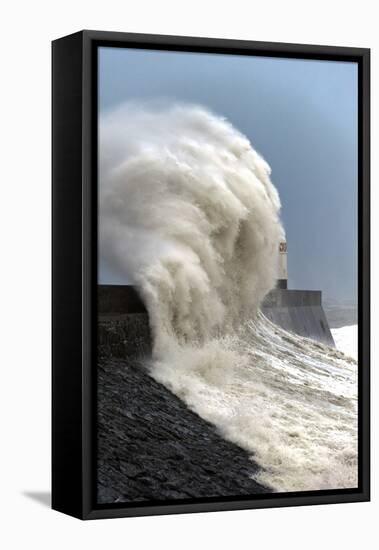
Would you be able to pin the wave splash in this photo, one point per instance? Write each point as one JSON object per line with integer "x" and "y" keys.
{"x": 189, "y": 214}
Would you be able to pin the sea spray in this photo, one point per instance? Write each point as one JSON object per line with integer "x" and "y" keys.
{"x": 188, "y": 213}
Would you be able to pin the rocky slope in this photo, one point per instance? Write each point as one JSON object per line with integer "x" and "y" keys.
{"x": 150, "y": 445}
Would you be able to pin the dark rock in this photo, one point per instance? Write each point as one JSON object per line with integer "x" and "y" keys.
{"x": 150, "y": 445}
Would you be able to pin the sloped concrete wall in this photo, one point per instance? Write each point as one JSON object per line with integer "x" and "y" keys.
{"x": 298, "y": 311}
{"x": 150, "y": 446}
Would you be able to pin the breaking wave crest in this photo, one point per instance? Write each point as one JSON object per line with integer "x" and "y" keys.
{"x": 190, "y": 216}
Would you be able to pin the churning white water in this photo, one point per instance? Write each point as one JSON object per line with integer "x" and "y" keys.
{"x": 189, "y": 214}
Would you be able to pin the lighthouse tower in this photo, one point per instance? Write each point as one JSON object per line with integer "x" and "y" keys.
{"x": 282, "y": 267}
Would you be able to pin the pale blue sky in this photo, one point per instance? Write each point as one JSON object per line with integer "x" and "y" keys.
{"x": 300, "y": 115}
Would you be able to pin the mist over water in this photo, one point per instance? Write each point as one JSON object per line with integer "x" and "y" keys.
{"x": 189, "y": 214}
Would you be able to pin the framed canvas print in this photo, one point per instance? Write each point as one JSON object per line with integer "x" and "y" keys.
{"x": 210, "y": 275}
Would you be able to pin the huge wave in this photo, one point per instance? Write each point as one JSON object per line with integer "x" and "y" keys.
{"x": 189, "y": 214}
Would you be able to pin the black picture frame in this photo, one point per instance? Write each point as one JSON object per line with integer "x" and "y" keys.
{"x": 74, "y": 271}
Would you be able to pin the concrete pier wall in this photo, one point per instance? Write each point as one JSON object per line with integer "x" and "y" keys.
{"x": 298, "y": 311}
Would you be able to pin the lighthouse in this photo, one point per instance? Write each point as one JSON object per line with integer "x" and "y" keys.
{"x": 296, "y": 310}
{"x": 282, "y": 267}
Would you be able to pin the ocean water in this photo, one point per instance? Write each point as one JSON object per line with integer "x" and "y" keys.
{"x": 346, "y": 340}
{"x": 189, "y": 214}
{"x": 289, "y": 401}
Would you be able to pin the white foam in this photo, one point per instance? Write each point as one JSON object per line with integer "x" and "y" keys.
{"x": 346, "y": 340}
